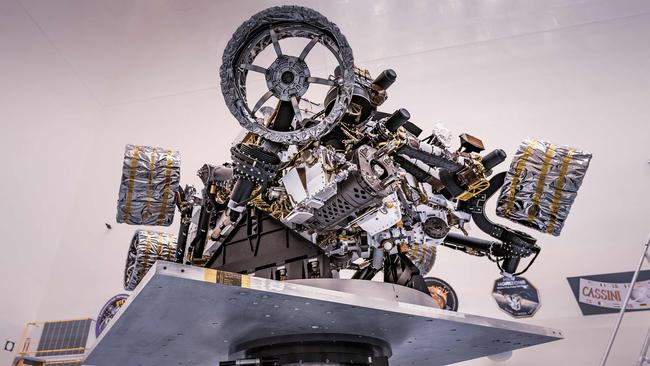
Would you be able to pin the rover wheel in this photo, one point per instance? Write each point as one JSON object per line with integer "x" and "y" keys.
{"x": 288, "y": 77}
{"x": 146, "y": 248}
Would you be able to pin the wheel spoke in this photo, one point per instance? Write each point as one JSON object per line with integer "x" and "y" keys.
{"x": 315, "y": 80}
{"x": 276, "y": 43}
{"x": 255, "y": 68}
{"x": 296, "y": 108}
{"x": 261, "y": 102}
{"x": 308, "y": 48}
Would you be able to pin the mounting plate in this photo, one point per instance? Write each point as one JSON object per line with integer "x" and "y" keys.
{"x": 183, "y": 315}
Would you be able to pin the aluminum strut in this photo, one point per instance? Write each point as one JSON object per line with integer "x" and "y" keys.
{"x": 643, "y": 359}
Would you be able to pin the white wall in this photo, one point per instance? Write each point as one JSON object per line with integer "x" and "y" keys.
{"x": 572, "y": 72}
{"x": 48, "y": 119}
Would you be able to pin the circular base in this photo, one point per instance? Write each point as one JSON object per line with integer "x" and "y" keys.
{"x": 331, "y": 349}
{"x": 372, "y": 289}
{"x": 317, "y": 349}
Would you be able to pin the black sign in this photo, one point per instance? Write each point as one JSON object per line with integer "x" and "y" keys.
{"x": 516, "y": 296}
{"x": 605, "y": 293}
{"x": 442, "y": 293}
{"x": 9, "y": 346}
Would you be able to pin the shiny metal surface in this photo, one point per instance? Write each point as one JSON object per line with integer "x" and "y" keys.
{"x": 175, "y": 317}
{"x": 571, "y": 82}
{"x": 374, "y": 289}
{"x": 150, "y": 176}
{"x": 542, "y": 184}
{"x": 146, "y": 248}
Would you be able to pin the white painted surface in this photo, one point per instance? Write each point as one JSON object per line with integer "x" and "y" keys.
{"x": 48, "y": 121}
{"x": 81, "y": 79}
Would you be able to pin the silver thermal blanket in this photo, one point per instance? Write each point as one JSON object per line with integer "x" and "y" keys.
{"x": 542, "y": 184}
{"x": 146, "y": 248}
{"x": 150, "y": 177}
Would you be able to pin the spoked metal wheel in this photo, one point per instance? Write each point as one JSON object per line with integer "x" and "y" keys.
{"x": 288, "y": 77}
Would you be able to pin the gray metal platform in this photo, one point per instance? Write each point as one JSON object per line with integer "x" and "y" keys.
{"x": 183, "y": 315}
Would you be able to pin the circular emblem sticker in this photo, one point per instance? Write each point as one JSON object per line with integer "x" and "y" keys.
{"x": 442, "y": 293}
{"x": 108, "y": 312}
{"x": 516, "y": 296}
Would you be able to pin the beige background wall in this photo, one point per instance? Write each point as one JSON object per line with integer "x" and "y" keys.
{"x": 81, "y": 79}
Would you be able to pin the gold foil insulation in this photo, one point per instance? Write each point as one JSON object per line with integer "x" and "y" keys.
{"x": 423, "y": 256}
{"x": 150, "y": 176}
{"x": 542, "y": 184}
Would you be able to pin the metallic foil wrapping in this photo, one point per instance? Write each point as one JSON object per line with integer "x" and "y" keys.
{"x": 146, "y": 248}
{"x": 150, "y": 176}
{"x": 423, "y": 256}
{"x": 542, "y": 184}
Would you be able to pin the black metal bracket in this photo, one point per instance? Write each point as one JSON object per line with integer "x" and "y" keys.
{"x": 476, "y": 206}
{"x": 262, "y": 245}
{"x": 400, "y": 270}
{"x": 185, "y": 210}
{"x": 514, "y": 244}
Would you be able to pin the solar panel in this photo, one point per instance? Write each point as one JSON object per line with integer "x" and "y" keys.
{"x": 64, "y": 338}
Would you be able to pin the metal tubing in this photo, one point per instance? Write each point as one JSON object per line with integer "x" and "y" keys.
{"x": 644, "y": 255}
{"x": 510, "y": 265}
{"x": 495, "y": 248}
{"x": 643, "y": 357}
{"x": 397, "y": 119}
{"x": 385, "y": 79}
